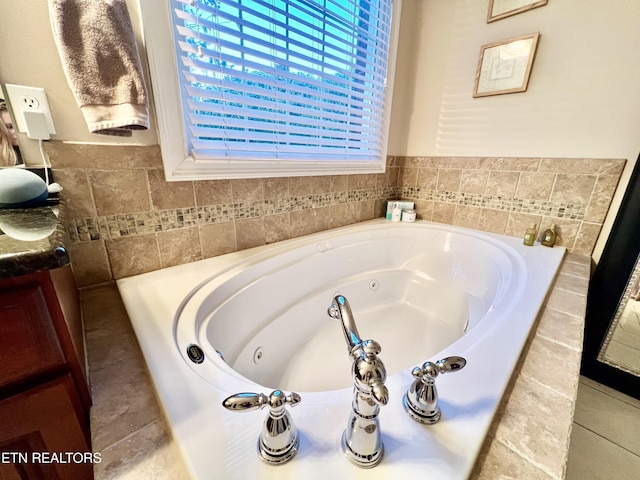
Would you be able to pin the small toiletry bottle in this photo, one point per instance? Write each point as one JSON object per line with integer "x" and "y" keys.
{"x": 396, "y": 213}
{"x": 409, "y": 215}
{"x": 549, "y": 237}
{"x": 390, "y": 206}
{"x": 530, "y": 235}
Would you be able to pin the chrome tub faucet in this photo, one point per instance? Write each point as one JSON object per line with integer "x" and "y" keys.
{"x": 278, "y": 442}
{"x": 361, "y": 440}
{"x": 421, "y": 400}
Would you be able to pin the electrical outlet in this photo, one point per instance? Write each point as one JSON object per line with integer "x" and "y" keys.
{"x": 29, "y": 99}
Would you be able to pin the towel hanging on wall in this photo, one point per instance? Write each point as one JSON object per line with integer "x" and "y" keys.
{"x": 100, "y": 59}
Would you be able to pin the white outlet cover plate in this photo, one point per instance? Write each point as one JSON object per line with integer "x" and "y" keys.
{"x": 16, "y": 93}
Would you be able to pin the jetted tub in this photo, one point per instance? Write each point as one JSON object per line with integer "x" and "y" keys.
{"x": 424, "y": 291}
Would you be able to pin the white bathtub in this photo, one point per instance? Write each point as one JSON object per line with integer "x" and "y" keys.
{"x": 423, "y": 291}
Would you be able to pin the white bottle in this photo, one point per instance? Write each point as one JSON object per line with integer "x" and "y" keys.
{"x": 396, "y": 214}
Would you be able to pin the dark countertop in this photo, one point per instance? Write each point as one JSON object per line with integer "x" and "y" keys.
{"x": 32, "y": 239}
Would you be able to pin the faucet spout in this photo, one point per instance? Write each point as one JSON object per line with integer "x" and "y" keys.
{"x": 341, "y": 310}
{"x": 362, "y": 440}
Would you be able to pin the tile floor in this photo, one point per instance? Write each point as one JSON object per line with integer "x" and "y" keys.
{"x": 605, "y": 440}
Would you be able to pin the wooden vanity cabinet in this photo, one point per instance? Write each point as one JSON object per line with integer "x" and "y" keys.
{"x": 44, "y": 395}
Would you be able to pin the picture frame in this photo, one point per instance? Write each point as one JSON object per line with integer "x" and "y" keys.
{"x": 499, "y": 9}
{"x": 505, "y": 66}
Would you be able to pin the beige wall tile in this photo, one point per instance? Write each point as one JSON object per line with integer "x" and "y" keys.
{"x": 600, "y": 200}
{"x": 126, "y": 180}
{"x": 408, "y": 177}
{"x": 133, "y": 255}
{"x": 474, "y": 181}
{"x": 168, "y": 195}
{"x": 572, "y": 188}
{"x": 586, "y": 238}
{"x": 450, "y": 162}
{"x": 250, "y": 232}
{"x": 218, "y": 239}
{"x": 301, "y": 186}
{"x": 424, "y": 209}
{"x": 339, "y": 183}
{"x": 513, "y": 164}
{"x": 77, "y": 192}
{"x": 380, "y": 180}
{"x": 179, "y": 246}
{"x": 276, "y": 188}
{"x": 617, "y": 166}
{"x": 90, "y": 263}
{"x": 449, "y": 180}
{"x": 582, "y": 165}
{"x": 276, "y": 227}
{"x": 212, "y": 192}
{"x": 247, "y": 190}
{"x": 502, "y": 184}
{"x": 535, "y": 186}
{"x": 427, "y": 179}
{"x": 379, "y": 208}
{"x": 355, "y": 182}
{"x": 304, "y": 222}
{"x": 360, "y": 182}
{"x": 393, "y": 176}
{"x": 370, "y": 180}
{"x": 343, "y": 214}
{"x": 467, "y": 216}
{"x": 415, "y": 162}
{"x": 494, "y": 221}
{"x": 366, "y": 210}
{"x": 119, "y": 192}
{"x": 443, "y": 212}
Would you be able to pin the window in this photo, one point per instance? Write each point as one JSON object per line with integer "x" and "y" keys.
{"x": 259, "y": 88}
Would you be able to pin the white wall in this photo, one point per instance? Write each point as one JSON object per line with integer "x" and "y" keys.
{"x": 28, "y": 56}
{"x": 583, "y": 99}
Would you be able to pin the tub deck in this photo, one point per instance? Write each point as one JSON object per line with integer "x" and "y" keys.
{"x": 533, "y": 386}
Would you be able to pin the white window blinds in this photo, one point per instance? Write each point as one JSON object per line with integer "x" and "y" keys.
{"x": 283, "y": 80}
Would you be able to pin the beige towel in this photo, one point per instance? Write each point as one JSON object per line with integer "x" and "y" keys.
{"x": 100, "y": 59}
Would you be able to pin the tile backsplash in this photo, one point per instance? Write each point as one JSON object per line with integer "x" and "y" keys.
{"x": 125, "y": 219}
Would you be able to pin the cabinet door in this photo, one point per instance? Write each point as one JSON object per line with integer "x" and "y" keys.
{"x": 27, "y": 335}
{"x": 38, "y": 423}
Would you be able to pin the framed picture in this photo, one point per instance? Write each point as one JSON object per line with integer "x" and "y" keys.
{"x": 504, "y": 67}
{"x": 499, "y": 9}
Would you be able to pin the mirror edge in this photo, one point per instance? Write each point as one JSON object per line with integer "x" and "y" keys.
{"x": 607, "y": 286}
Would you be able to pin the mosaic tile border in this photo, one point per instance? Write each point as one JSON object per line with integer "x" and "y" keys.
{"x": 570, "y": 211}
{"x": 117, "y": 226}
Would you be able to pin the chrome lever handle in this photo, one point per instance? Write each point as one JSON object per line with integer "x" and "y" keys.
{"x": 278, "y": 441}
{"x": 421, "y": 400}
{"x": 255, "y": 401}
{"x": 430, "y": 370}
